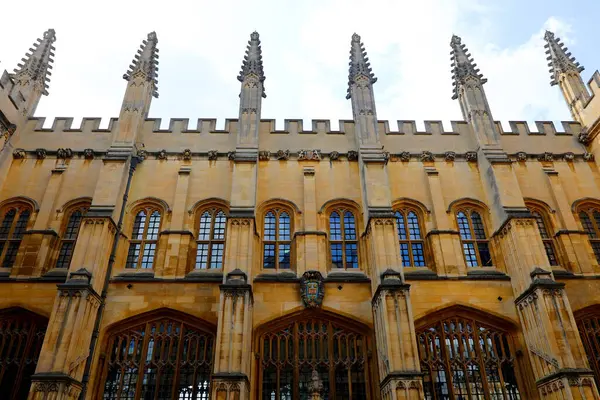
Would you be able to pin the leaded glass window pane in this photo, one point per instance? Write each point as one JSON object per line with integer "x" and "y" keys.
{"x": 142, "y": 247}
{"x": 413, "y": 226}
{"x": 277, "y": 240}
{"x": 478, "y": 225}
{"x": 401, "y": 227}
{"x": 463, "y": 226}
{"x": 418, "y": 254}
{"x": 210, "y": 246}
{"x": 335, "y": 226}
{"x": 343, "y": 240}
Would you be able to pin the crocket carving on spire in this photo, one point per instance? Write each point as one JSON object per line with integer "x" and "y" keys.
{"x": 35, "y": 67}
{"x": 359, "y": 63}
{"x": 462, "y": 65}
{"x": 145, "y": 63}
{"x": 559, "y": 57}
{"x": 253, "y": 63}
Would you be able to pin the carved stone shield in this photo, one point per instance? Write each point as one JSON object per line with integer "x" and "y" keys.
{"x": 312, "y": 289}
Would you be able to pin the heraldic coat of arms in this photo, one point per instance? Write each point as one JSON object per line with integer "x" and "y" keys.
{"x": 312, "y": 289}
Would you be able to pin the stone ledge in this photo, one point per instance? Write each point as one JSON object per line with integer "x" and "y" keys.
{"x": 565, "y": 373}
{"x": 417, "y": 275}
{"x": 288, "y": 277}
{"x": 482, "y": 274}
{"x": 347, "y": 277}
{"x": 539, "y": 284}
{"x": 401, "y": 375}
{"x": 176, "y": 232}
{"x": 231, "y": 376}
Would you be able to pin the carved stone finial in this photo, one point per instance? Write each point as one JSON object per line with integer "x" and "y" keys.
{"x": 471, "y": 156}
{"x": 359, "y": 64}
{"x": 427, "y": 156}
{"x": 559, "y": 57}
{"x": 546, "y": 157}
{"x": 405, "y": 156}
{"x": 253, "y": 63}
{"x": 40, "y": 153}
{"x": 162, "y": 155}
{"x": 584, "y": 137}
{"x": 588, "y": 156}
{"x": 282, "y": 155}
{"x": 36, "y": 65}
{"x": 334, "y": 155}
{"x": 463, "y": 66}
{"x": 213, "y": 155}
{"x": 264, "y": 155}
{"x": 88, "y": 154}
{"x": 145, "y": 63}
{"x": 569, "y": 156}
{"x": 521, "y": 156}
{"x": 352, "y": 155}
{"x": 64, "y": 153}
{"x": 19, "y": 154}
{"x": 450, "y": 156}
{"x": 186, "y": 154}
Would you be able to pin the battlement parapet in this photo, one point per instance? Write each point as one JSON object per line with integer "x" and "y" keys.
{"x": 65, "y": 124}
{"x": 543, "y": 128}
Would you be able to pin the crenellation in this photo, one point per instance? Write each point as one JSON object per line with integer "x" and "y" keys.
{"x": 543, "y": 128}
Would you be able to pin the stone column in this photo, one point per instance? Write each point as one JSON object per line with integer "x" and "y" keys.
{"x": 65, "y": 350}
{"x": 233, "y": 348}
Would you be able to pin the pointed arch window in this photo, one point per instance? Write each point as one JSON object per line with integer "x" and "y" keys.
{"x": 14, "y": 225}
{"x": 343, "y": 240}
{"x": 144, "y": 239}
{"x": 162, "y": 358}
{"x": 588, "y": 324}
{"x": 462, "y": 358}
{"x": 412, "y": 246}
{"x": 210, "y": 243}
{"x": 473, "y": 238}
{"x": 69, "y": 237}
{"x": 545, "y": 230}
{"x": 590, "y": 220}
{"x": 277, "y": 235}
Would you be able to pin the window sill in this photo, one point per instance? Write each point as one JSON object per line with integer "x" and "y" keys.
{"x": 419, "y": 273}
{"x": 347, "y": 276}
{"x": 135, "y": 274}
{"x": 281, "y": 276}
{"x": 486, "y": 273}
{"x": 205, "y": 275}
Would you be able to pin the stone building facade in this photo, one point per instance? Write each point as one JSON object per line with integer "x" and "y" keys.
{"x": 372, "y": 262}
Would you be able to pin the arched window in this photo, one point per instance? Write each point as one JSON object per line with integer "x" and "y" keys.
{"x": 463, "y": 358}
{"x": 590, "y": 220}
{"x": 14, "y": 224}
{"x": 211, "y": 239}
{"x": 21, "y": 338}
{"x": 69, "y": 237}
{"x": 277, "y": 235}
{"x": 163, "y": 358}
{"x": 343, "y": 241}
{"x": 289, "y": 352}
{"x": 546, "y": 232}
{"x": 588, "y": 324}
{"x": 144, "y": 237}
{"x": 412, "y": 247}
{"x": 474, "y": 239}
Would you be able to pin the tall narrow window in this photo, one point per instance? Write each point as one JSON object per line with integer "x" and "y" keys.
{"x": 543, "y": 228}
{"x": 474, "y": 240}
{"x": 277, "y": 240}
{"x": 14, "y": 224}
{"x": 211, "y": 239}
{"x": 589, "y": 330}
{"x": 590, "y": 220}
{"x": 144, "y": 238}
{"x": 412, "y": 248}
{"x": 69, "y": 237}
{"x": 343, "y": 241}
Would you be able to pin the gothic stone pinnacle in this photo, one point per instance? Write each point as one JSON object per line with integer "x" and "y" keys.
{"x": 146, "y": 62}
{"x": 462, "y": 65}
{"x": 559, "y": 57}
{"x": 359, "y": 63}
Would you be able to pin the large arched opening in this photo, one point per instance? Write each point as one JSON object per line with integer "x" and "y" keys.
{"x": 292, "y": 349}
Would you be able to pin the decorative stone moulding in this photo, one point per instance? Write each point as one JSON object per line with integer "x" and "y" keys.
{"x": 584, "y": 137}
{"x": 282, "y": 155}
{"x": 162, "y": 155}
{"x": 19, "y": 154}
{"x": 521, "y": 156}
{"x": 471, "y": 156}
{"x": 231, "y": 155}
{"x": 213, "y": 155}
{"x": 352, "y": 155}
{"x": 264, "y": 155}
{"x": 64, "y": 153}
{"x": 88, "y": 154}
{"x": 142, "y": 154}
{"x": 588, "y": 156}
{"x": 405, "y": 156}
{"x": 187, "y": 154}
{"x": 426, "y": 156}
{"x": 386, "y": 156}
{"x": 449, "y": 156}
{"x": 311, "y": 155}
{"x": 546, "y": 157}
{"x": 334, "y": 155}
{"x": 40, "y": 153}
{"x": 569, "y": 156}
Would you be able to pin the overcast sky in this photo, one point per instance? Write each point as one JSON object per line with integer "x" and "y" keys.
{"x": 305, "y": 50}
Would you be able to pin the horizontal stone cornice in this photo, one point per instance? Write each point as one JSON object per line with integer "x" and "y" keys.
{"x": 566, "y": 373}
{"x": 401, "y": 375}
{"x": 539, "y": 284}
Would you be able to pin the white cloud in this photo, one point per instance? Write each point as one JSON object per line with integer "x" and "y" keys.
{"x": 305, "y": 48}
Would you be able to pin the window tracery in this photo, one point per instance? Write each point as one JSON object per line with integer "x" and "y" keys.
{"x": 277, "y": 236}
{"x": 463, "y": 358}
{"x": 289, "y": 354}
{"x": 14, "y": 224}
{"x": 164, "y": 358}
{"x": 588, "y": 324}
{"x": 210, "y": 242}
{"x": 590, "y": 221}
{"x": 546, "y": 232}
{"x": 343, "y": 239}
{"x": 473, "y": 238}
{"x": 412, "y": 246}
{"x": 144, "y": 239}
